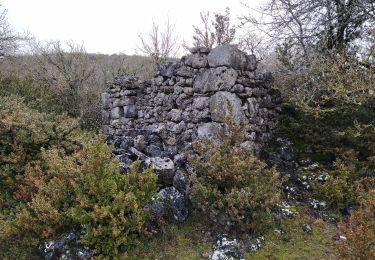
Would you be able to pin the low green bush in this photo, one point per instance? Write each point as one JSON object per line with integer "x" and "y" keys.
{"x": 85, "y": 189}
{"x": 339, "y": 190}
{"x": 347, "y": 182}
{"x": 110, "y": 205}
{"x": 230, "y": 181}
{"x": 24, "y": 133}
{"x": 342, "y": 139}
{"x": 359, "y": 231}
{"x": 53, "y": 179}
{"x": 48, "y": 185}
{"x": 322, "y": 134}
{"x": 36, "y": 96}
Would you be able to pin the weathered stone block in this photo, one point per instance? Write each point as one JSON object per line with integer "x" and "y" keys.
{"x": 105, "y": 100}
{"x": 184, "y": 71}
{"x": 199, "y": 50}
{"x": 164, "y": 167}
{"x": 212, "y": 80}
{"x": 253, "y": 106}
{"x": 105, "y": 118}
{"x": 130, "y": 111}
{"x": 225, "y": 104}
{"x": 175, "y": 115}
{"x": 179, "y": 128}
{"x": 117, "y": 112}
{"x": 200, "y": 103}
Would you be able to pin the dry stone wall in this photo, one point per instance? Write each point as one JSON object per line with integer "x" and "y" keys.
{"x": 155, "y": 120}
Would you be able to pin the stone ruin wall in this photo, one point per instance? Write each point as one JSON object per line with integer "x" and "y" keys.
{"x": 155, "y": 120}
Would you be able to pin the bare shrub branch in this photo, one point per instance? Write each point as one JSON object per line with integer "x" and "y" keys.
{"x": 159, "y": 45}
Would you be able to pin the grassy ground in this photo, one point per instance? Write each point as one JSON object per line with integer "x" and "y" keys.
{"x": 294, "y": 243}
{"x": 188, "y": 242}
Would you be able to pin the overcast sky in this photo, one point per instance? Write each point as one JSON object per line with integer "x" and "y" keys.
{"x": 111, "y": 26}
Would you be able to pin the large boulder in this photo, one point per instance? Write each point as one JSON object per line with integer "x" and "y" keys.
{"x": 170, "y": 205}
{"x": 226, "y": 105}
{"x": 215, "y": 79}
{"x": 229, "y": 56}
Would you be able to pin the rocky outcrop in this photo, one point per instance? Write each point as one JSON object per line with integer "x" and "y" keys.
{"x": 156, "y": 120}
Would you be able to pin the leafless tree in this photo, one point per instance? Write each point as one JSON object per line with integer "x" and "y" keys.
{"x": 68, "y": 71}
{"x": 307, "y": 26}
{"x": 224, "y": 31}
{"x": 251, "y": 43}
{"x": 9, "y": 39}
{"x": 214, "y": 32}
{"x": 204, "y": 37}
{"x": 322, "y": 46}
{"x": 159, "y": 45}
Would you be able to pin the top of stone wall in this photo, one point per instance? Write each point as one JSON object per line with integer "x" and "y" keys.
{"x": 224, "y": 55}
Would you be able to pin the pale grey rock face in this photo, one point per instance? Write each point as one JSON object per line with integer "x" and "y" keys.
{"x": 209, "y": 130}
{"x": 176, "y": 115}
{"x": 186, "y": 72}
{"x": 140, "y": 142}
{"x": 106, "y": 118}
{"x": 217, "y": 79}
{"x": 164, "y": 167}
{"x": 230, "y": 56}
{"x": 226, "y": 105}
{"x": 117, "y": 112}
{"x": 197, "y": 61}
{"x": 251, "y": 63}
{"x": 200, "y": 103}
{"x": 179, "y": 128}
